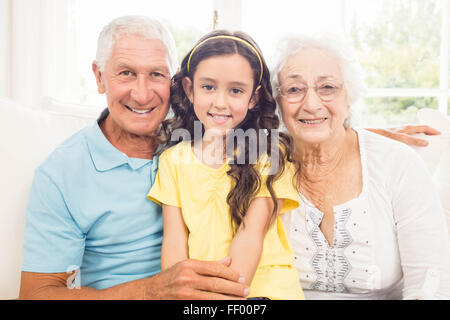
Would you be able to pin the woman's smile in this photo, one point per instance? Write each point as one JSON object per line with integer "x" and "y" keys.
{"x": 313, "y": 122}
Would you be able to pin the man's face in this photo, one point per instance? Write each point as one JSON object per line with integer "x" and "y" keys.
{"x": 136, "y": 81}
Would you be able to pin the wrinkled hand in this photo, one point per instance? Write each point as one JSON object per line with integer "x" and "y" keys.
{"x": 197, "y": 280}
{"x": 404, "y": 134}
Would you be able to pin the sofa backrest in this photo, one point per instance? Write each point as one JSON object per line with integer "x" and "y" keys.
{"x": 437, "y": 154}
{"x": 27, "y": 136}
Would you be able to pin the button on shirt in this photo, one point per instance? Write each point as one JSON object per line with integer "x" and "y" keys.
{"x": 88, "y": 209}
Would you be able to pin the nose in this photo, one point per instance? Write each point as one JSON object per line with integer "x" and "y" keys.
{"x": 142, "y": 91}
{"x": 220, "y": 100}
{"x": 311, "y": 102}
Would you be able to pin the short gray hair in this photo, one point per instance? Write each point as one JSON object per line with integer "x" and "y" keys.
{"x": 137, "y": 25}
{"x": 338, "y": 46}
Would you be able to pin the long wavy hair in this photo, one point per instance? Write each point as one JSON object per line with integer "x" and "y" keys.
{"x": 246, "y": 177}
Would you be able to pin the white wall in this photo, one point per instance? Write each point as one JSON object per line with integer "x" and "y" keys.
{"x": 5, "y": 48}
{"x": 37, "y": 55}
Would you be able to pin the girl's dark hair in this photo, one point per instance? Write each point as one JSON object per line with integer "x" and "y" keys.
{"x": 247, "y": 179}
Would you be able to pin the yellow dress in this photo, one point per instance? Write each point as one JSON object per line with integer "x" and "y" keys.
{"x": 200, "y": 191}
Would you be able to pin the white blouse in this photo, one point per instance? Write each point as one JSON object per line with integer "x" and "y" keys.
{"x": 389, "y": 243}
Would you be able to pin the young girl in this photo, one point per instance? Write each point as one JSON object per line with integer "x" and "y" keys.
{"x": 214, "y": 204}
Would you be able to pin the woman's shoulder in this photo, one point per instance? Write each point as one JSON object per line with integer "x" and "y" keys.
{"x": 388, "y": 156}
{"x": 377, "y": 145}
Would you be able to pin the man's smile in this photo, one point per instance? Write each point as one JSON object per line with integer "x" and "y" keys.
{"x": 140, "y": 111}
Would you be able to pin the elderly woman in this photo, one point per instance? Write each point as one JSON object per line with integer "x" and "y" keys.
{"x": 370, "y": 225}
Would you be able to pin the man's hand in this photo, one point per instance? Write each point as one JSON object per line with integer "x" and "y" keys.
{"x": 197, "y": 280}
{"x": 404, "y": 134}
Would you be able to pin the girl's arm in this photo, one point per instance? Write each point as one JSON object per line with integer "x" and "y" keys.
{"x": 247, "y": 244}
{"x": 175, "y": 239}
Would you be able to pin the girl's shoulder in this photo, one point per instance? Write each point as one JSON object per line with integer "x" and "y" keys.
{"x": 179, "y": 153}
{"x": 179, "y": 148}
{"x": 270, "y": 165}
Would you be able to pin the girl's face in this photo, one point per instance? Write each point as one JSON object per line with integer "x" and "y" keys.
{"x": 221, "y": 92}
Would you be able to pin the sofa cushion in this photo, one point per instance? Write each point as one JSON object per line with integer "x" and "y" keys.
{"x": 27, "y": 136}
{"x": 437, "y": 154}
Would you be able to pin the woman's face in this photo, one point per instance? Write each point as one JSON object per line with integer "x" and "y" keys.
{"x": 312, "y": 98}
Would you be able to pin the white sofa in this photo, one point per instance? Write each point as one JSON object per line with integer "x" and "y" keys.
{"x": 27, "y": 136}
{"x": 437, "y": 155}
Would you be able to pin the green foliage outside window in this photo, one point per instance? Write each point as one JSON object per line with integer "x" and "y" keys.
{"x": 185, "y": 38}
{"x": 400, "y": 50}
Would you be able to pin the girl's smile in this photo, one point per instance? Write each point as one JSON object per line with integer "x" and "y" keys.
{"x": 219, "y": 118}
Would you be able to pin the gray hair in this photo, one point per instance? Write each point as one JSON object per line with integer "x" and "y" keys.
{"x": 336, "y": 45}
{"x": 137, "y": 25}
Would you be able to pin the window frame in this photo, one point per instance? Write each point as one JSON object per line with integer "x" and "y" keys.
{"x": 230, "y": 16}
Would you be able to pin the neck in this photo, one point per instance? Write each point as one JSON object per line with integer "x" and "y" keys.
{"x": 211, "y": 150}
{"x": 134, "y": 146}
{"x": 319, "y": 161}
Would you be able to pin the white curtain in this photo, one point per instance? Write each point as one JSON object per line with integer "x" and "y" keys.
{"x": 229, "y": 14}
{"x": 39, "y": 55}
{"x": 5, "y": 48}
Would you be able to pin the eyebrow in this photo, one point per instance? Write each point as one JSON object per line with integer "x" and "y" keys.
{"x": 122, "y": 65}
{"x": 299, "y": 77}
{"x": 234, "y": 83}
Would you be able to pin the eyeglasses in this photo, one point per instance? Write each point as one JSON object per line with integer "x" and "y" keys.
{"x": 296, "y": 92}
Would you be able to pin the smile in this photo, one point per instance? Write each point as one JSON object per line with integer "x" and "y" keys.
{"x": 218, "y": 118}
{"x": 145, "y": 111}
{"x": 313, "y": 121}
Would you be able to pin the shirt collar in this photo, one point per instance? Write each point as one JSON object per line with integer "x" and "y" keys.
{"x": 105, "y": 156}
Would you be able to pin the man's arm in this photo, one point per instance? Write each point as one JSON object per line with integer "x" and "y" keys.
{"x": 47, "y": 215}
{"x": 404, "y": 134}
{"x": 189, "y": 279}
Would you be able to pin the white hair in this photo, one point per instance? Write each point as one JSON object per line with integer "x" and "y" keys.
{"x": 336, "y": 45}
{"x": 143, "y": 26}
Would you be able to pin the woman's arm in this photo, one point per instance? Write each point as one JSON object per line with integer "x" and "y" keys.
{"x": 175, "y": 240}
{"x": 247, "y": 244}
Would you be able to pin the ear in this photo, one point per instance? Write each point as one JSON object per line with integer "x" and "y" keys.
{"x": 255, "y": 98}
{"x": 98, "y": 78}
{"x": 187, "y": 86}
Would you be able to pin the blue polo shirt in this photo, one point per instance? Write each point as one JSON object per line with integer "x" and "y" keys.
{"x": 88, "y": 208}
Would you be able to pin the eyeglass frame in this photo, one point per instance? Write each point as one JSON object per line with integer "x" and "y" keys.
{"x": 340, "y": 86}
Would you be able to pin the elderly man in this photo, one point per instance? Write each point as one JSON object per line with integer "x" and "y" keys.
{"x": 89, "y": 222}
{"x": 88, "y": 209}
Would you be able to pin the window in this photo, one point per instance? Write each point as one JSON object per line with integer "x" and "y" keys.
{"x": 402, "y": 49}
{"x": 403, "y": 46}
{"x": 187, "y": 20}
{"x": 266, "y": 21}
